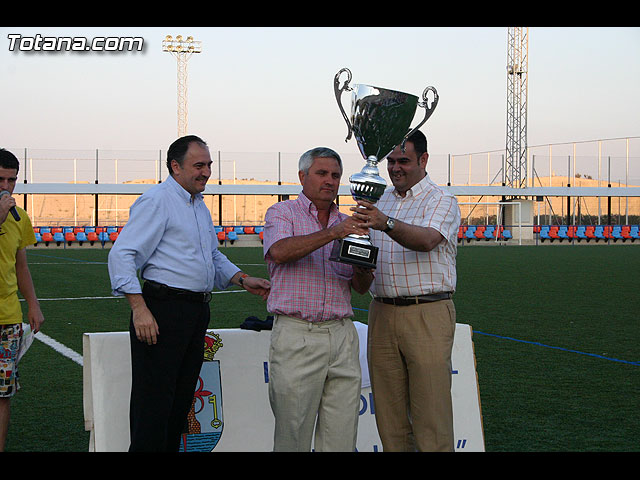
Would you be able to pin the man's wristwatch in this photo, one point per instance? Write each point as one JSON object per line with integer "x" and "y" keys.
{"x": 390, "y": 224}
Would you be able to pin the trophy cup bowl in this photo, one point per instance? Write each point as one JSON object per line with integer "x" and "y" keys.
{"x": 380, "y": 121}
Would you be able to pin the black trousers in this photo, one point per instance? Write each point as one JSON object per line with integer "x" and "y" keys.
{"x": 164, "y": 375}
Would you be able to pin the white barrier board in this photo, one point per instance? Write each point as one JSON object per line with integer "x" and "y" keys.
{"x": 231, "y": 409}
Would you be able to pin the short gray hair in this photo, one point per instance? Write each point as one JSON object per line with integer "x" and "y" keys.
{"x": 307, "y": 158}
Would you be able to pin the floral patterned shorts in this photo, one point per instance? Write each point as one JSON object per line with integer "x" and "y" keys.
{"x": 10, "y": 336}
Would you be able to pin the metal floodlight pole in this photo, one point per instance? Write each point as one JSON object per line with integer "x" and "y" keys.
{"x": 517, "y": 86}
{"x": 182, "y": 49}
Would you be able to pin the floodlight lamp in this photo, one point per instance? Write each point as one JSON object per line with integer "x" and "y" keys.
{"x": 168, "y": 38}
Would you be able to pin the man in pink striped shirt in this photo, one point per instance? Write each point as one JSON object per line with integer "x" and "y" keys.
{"x": 314, "y": 370}
{"x": 412, "y": 317}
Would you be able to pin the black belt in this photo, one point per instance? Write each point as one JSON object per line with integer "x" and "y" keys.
{"x": 162, "y": 291}
{"x": 404, "y": 301}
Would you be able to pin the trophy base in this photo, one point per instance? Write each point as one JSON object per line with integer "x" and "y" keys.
{"x": 355, "y": 252}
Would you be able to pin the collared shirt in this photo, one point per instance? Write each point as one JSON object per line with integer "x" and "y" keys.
{"x": 170, "y": 239}
{"x": 404, "y": 272}
{"x": 14, "y": 236}
{"x": 312, "y": 288}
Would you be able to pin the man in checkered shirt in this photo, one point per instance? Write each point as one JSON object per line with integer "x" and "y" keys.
{"x": 412, "y": 317}
{"x": 314, "y": 366}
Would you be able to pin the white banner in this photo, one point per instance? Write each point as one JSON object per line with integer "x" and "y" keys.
{"x": 231, "y": 410}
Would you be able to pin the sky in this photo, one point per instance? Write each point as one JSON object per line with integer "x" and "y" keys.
{"x": 270, "y": 89}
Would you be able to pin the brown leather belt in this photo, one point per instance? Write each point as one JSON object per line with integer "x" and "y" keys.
{"x": 162, "y": 291}
{"x": 405, "y": 301}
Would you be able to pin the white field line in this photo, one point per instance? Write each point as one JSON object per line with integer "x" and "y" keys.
{"x": 66, "y": 351}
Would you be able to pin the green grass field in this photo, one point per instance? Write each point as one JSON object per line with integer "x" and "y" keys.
{"x": 556, "y": 332}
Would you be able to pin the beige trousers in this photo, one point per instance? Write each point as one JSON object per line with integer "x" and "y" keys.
{"x": 314, "y": 382}
{"x": 409, "y": 354}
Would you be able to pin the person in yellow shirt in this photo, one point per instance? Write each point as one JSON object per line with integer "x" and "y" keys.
{"x": 16, "y": 233}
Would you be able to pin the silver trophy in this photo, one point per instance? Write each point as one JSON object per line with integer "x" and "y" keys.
{"x": 380, "y": 120}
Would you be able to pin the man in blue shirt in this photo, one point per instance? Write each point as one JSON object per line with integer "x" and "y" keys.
{"x": 171, "y": 240}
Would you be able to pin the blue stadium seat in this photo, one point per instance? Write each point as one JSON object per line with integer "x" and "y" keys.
{"x": 581, "y": 233}
{"x": 232, "y": 237}
{"x": 470, "y": 233}
{"x": 544, "y": 233}
{"x": 616, "y": 233}
{"x": 489, "y": 232}
{"x": 58, "y": 238}
{"x": 506, "y": 234}
{"x": 239, "y": 230}
{"x": 38, "y": 238}
{"x": 599, "y": 232}
{"x": 81, "y": 237}
{"x": 562, "y": 232}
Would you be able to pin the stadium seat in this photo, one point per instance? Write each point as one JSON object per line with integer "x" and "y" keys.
{"x": 589, "y": 233}
{"x": 571, "y": 232}
{"x": 489, "y": 232}
{"x": 553, "y": 233}
{"x": 45, "y": 230}
{"x": 580, "y": 233}
{"x": 249, "y": 230}
{"x": 238, "y": 230}
{"x": 92, "y": 237}
{"x": 616, "y": 233}
{"x": 261, "y": 235}
{"x": 479, "y": 233}
{"x": 47, "y": 237}
{"x": 544, "y": 233}
{"x": 598, "y": 232}
{"x": 259, "y": 229}
{"x": 232, "y": 236}
{"x": 563, "y": 232}
{"x": 460, "y": 233}
{"x": 217, "y": 228}
{"x": 81, "y": 237}
{"x": 633, "y": 232}
{"x": 222, "y": 237}
{"x": 69, "y": 237}
{"x": 38, "y": 238}
{"x": 103, "y": 236}
{"x": 506, "y": 234}
{"x": 470, "y": 233}
{"x": 113, "y": 236}
{"x": 58, "y": 238}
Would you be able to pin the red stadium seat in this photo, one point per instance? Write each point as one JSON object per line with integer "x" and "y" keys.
{"x": 47, "y": 237}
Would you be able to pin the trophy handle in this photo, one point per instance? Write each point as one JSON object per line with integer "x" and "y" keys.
{"x": 428, "y": 111}
{"x": 338, "y": 91}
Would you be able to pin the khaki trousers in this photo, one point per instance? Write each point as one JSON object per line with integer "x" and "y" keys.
{"x": 314, "y": 382}
{"x": 409, "y": 354}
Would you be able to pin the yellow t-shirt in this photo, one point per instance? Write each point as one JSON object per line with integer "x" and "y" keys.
{"x": 13, "y": 236}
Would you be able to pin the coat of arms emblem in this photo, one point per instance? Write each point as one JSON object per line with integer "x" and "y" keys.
{"x": 205, "y": 420}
